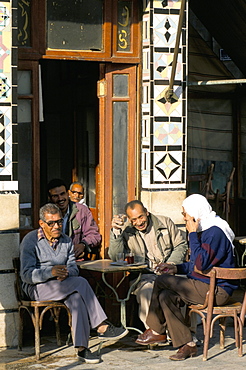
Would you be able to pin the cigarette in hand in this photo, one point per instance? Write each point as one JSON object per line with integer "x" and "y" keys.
{"x": 159, "y": 271}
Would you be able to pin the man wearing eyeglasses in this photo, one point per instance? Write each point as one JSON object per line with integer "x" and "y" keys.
{"x": 76, "y": 192}
{"x": 49, "y": 272}
{"x": 78, "y": 222}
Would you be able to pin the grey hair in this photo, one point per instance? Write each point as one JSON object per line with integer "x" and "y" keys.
{"x": 49, "y": 208}
{"x": 76, "y": 183}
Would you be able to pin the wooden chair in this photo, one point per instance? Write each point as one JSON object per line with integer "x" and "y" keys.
{"x": 225, "y": 197}
{"x": 220, "y": 198}
{"x": 202, "y": 182}
{"x": 234, "y": 309}
{"x": 36, "y": 310}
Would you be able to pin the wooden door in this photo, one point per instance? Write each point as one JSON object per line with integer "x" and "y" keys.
{"x": 117, "y": 143}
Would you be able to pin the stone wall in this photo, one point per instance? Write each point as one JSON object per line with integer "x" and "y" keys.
{"x": 9, "y": 248}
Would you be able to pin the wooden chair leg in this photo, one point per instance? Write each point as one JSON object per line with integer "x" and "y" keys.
{"x": 20, "y": 334}
{"x": 207, "y": 334}
{"x": 37, "y": 332}
{"x": 206, "y": 340}
{"x": 240, "y": 347}
{"x": 222, "y": 323}
{"x": 236, "y": 330}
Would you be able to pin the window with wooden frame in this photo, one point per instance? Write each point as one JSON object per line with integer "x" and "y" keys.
{"x": 30, "y": 37}
{"x": 126, "y": 30}
{"x": 89, "y": 30}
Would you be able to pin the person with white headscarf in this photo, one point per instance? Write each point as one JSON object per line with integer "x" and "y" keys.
{"x": 211, "y": 244}
{"x": 198, "y": 207}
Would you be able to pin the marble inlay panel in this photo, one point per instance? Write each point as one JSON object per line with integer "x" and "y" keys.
{"x": 6, "y": 155}
{"x": 163, "y": 107}
{"x": 163, "y": 66}
{"x": 163, "y": 147}
{"x": 167, "y": 166}
{"x": 167, "y": 133}
{"x": 165, "y": 30}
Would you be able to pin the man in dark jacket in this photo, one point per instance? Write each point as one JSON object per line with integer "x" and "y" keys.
{"x": 78, "y": 222}
{"x": 211, "y": 244}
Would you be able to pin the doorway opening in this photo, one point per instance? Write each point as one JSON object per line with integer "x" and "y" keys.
{"x": 69, "y": 135}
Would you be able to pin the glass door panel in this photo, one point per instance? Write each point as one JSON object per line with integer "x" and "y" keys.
{"x": 28, "y": 150}
{"x": 118, "y": 98}
{"x": 120, "y": 156}
{"x": 24, "y": 120}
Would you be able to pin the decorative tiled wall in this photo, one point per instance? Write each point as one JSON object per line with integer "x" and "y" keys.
{"x": 163, "y": 123}
{"x": 8, "y": 73}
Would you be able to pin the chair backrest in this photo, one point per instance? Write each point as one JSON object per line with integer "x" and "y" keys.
{"x": 20, "y": 295}
{"x": 223, "y": 273}
{"x": 209, "y": 192}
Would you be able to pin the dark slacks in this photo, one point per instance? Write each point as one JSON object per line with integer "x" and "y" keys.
{"x": 169, "y": 294}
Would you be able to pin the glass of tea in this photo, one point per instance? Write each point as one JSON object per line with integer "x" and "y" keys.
{"x": 130, "y": 258}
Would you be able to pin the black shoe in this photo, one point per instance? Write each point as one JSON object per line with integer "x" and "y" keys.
{"x": 112, "y": 332}
{"x": 88, "y": 357}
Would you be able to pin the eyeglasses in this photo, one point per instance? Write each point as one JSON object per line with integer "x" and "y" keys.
{"x": 78, "y": 192}
{"x": 52, "y": 223}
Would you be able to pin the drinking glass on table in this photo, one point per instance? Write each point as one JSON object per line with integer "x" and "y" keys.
{"x": 130, "y": 258}
{"x": 139, "y": 259}
{"x": 120, "y": 257}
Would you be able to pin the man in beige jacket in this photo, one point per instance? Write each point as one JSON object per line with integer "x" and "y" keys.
{"x": 153, "y": 239}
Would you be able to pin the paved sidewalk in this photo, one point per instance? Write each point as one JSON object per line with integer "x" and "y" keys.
{"x": 125, "y": 354}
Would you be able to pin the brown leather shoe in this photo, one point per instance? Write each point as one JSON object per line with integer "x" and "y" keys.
{"x": 149, "y": 338}
{"x": 184, "y": 352}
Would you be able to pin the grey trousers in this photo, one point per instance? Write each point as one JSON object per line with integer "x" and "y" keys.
{"x": 143, "y": 293}
{"x": 169, "y": 293}
{"x": 79, "y": 297}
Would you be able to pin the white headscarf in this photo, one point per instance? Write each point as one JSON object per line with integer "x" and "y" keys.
{"x": 197, "y": 206}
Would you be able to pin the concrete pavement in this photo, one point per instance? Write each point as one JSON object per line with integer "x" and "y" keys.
{"x": 124, "y": 354}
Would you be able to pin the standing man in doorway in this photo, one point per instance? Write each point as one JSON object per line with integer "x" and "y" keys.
{"x": 155, "y": 239}
{"x": 76, "y": 192}
{"x": 78, "y": 222}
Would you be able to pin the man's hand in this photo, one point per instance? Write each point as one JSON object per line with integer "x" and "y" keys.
{"x": 165, "y": 268}
{"x": 79, "y": 250}
{"x": 117, "y": 222}
{"x": 60, "y": 272}
{"x": 191, "y": 224}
